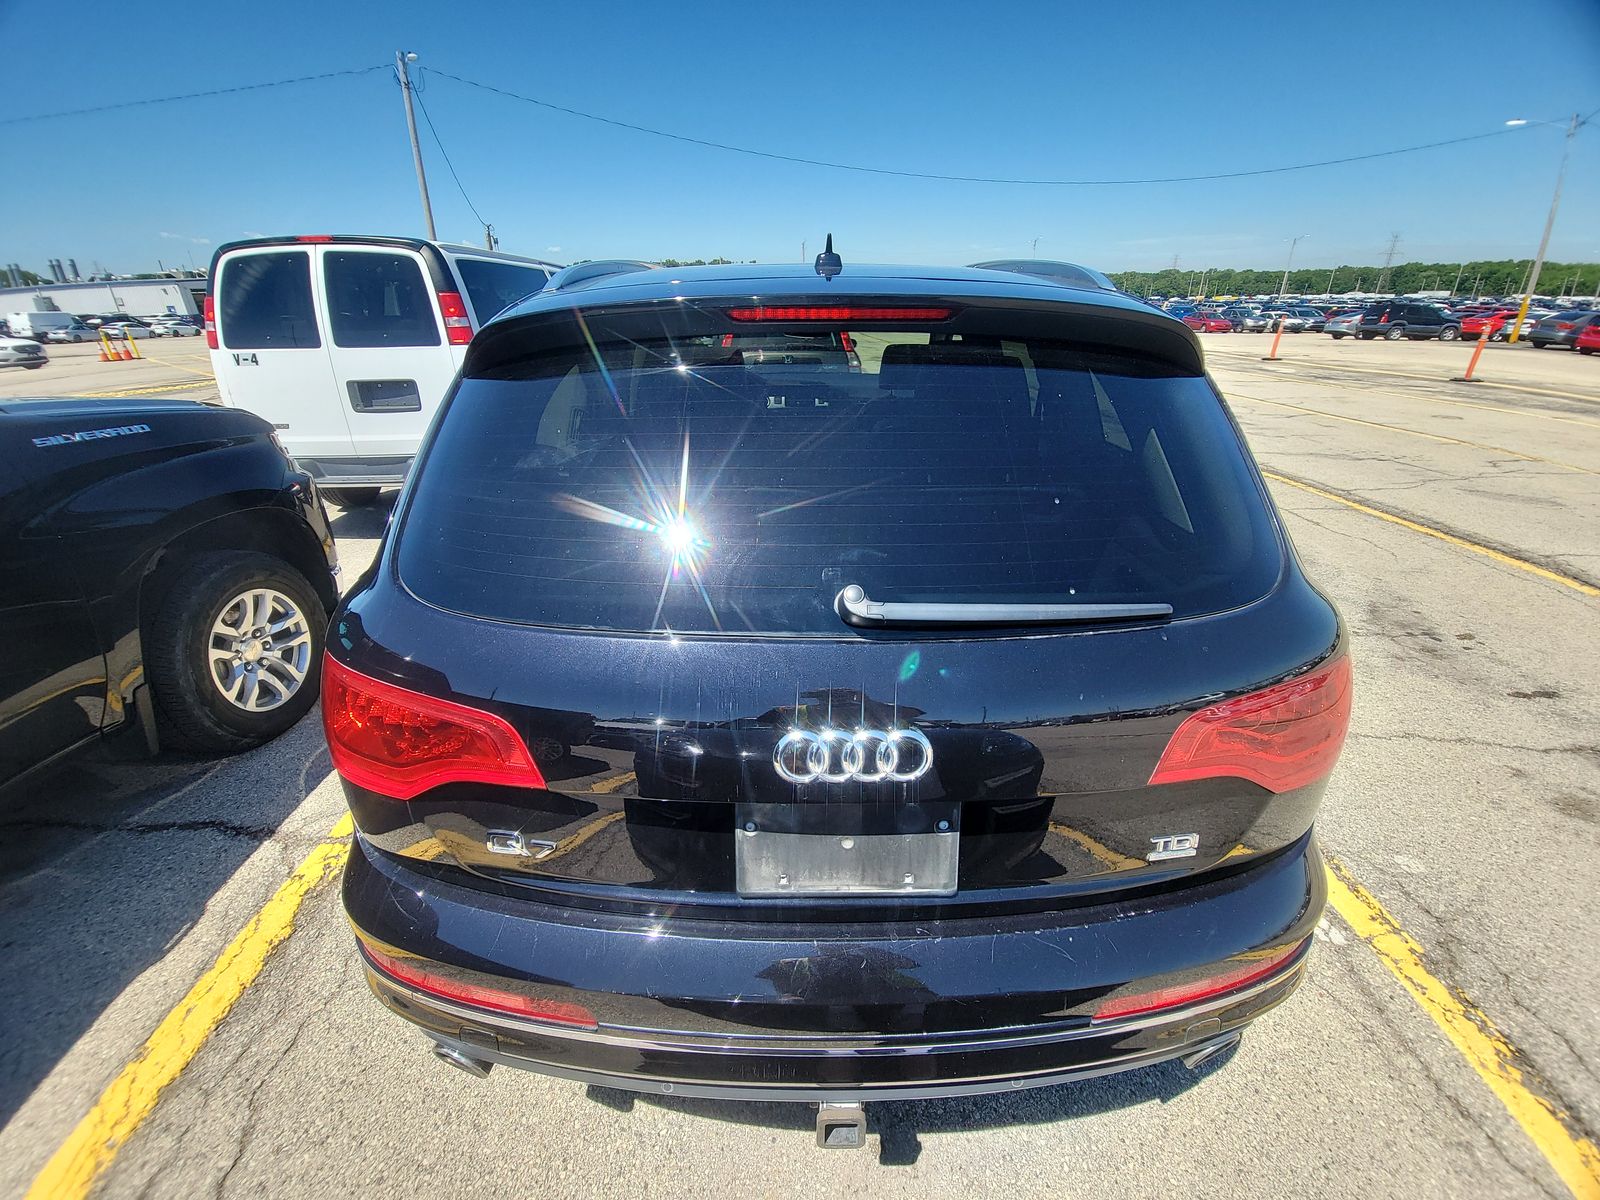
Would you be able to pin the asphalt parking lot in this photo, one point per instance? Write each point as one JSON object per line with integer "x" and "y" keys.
{"x": 1447, "y": 1041}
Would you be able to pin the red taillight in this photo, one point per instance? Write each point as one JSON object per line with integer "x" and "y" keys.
{"x": 410, "y": 972}
{"x": 315, "y": 237}
{"x": 399, "y": 743}
{"x": 1563, "y": 325}
{"x": 1201, "y": 989}
{"x": 845, "y": 342}
{"x": 1282, "y": 738}
{"x": 727, "y": 341}
{"x": 210, "y": 313}
{"x": 811, "y": 312}
{"x": 457, "y": 326}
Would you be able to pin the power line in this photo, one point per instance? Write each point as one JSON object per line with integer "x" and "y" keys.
{"x": 838, "y": 166}
{"x": 416, "y": 94}
{"x": 245, "y": 87}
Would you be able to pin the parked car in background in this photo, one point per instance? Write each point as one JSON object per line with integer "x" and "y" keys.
{"x": 1291, "y": 322}
{"x": 1561, "y": 329}
{"x": 1315, "y": 319}
{"x": 164, "y": 568}
{"x": 1588, "y": 341}
{"x": 1343, "y": 325}
{"x": 38, "y": 325}
{"x": 1208, "y": 322}
{"x": 1245, "y": 320}
{"x": 1396, "y": 319}
{"x": 76, "y": 332}
{"x": 174, "y": 328}
{"x": 347, "y": 343}
{"x": 22, "y": 352}
{"x": 1493, "y": 323}
{"x": 126, "y": 329}
{"x": 816, "y": 844}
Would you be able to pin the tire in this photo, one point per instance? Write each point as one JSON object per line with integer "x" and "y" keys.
{"x": 363, "y": 497}
{"x": 1541, "y": 345}
{"x": 1585, "y": 349}
{"x": 33, "y": 366}
{"x": 1449, "y": 334}
{"x": 1394, "y": 333}
{"x": 1336, "y": 336}
{"x": 187, "y": 685}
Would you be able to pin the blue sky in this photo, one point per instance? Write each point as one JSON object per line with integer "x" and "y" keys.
{"x": 1004, "y": 89}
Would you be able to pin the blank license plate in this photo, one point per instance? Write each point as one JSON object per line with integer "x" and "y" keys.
{"x": 821, "y": 864}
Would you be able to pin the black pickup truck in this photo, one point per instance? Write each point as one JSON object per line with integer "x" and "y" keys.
{"x": 165, "y": 570}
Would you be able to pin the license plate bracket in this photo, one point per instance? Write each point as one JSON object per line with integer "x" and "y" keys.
{"x": 905, "y": 849}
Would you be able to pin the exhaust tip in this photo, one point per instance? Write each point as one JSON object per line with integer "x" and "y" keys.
{"x": 476, "y": 1067}
{"x": 1211, "y": 1051}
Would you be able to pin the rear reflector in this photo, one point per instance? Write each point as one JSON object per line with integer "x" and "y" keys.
{"x": 457, "y": 326}
{"x": 210, "y": 312}
{"x": 837, "y": 313}
{"x": 400, "y": 743}
{"x": 1282, "y": 738}
{"x": 1178, "y": 995}
{"x": 413, "y": 974}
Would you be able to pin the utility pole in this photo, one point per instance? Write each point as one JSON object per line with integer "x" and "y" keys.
{"x": 802, "y": 251}
{"x": 1457, "y": 283}
{"x": 1388, "y": 261}
{"x": 1293, "y": 242}
{"x": 1035, "y": 253}
{"x": 489, "y": 239}
{"x": 401, "y": 58}
{"x": 1331, "y": 274}
{"x": 1549, "y": 223}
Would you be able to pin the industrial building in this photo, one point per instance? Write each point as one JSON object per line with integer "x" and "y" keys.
{"x": 136, "y": 297}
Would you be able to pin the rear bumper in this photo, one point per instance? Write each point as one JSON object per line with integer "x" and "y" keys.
{"x": 355, "y": 472}
{"x": 854, "y": 1012}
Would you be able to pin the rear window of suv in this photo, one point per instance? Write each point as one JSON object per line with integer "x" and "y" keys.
{"x": 602, "y": 489}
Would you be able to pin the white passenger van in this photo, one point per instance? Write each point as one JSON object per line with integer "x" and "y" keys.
{"x": 347, "y": 343}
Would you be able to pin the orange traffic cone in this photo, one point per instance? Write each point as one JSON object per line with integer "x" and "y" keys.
{"x": 104, "y": 357}
{"x": 125, "y": 354}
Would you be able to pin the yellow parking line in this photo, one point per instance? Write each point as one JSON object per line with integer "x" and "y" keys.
{"x": 132, "y": 1095}
{"x": 1324, "y": 364}
{"x": 1435, "y": 437}
{"x": 118, "y": 393}
{"x": 1577, "y": 585}
{"x": 1116, "y": 860}
{"x": 1573, "y": 1156}
{"x": 167, "y": 362}
{"x": 611, "y": 785}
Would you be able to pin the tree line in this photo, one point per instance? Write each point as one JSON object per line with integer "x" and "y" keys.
{"x": 1503, "y": 277}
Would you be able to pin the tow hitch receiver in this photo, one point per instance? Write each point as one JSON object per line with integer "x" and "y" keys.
{"x": 841, "y": 1126}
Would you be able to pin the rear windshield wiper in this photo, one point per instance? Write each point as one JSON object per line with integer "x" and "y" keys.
{"x": 854, "y": 608}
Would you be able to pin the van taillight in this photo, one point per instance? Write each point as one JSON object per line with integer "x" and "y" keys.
{"x": 1282, "y": 737}
{"x": 210, "y": 312}
{"x": 400, "y": 743}
{"x": 457, "y": 326}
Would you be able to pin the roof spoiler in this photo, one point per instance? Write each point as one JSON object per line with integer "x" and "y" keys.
{"x": 1065, "y": 273}
{"x": 582, "y": 273}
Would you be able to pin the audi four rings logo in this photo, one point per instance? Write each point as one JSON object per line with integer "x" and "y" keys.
{"x": 865, "y": 756}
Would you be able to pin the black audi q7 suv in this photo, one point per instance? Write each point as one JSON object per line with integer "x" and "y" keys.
{"x": 763, "y": 729}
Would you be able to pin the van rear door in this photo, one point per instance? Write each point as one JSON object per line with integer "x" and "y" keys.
{"x": 270, "y": 358}
{"x": 391, "y": 358}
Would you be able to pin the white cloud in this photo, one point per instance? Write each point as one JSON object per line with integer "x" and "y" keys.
{"x": 252, "y": 233}
{"x": 184, "y": 237}
{"x": 552, "y": 249}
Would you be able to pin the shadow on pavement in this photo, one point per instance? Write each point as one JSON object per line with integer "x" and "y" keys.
{"x": 899, "y": 1124}
{"x": 105, "y": 865}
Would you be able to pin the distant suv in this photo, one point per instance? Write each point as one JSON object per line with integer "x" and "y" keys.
{"x": 164, "y": 570}
{"x": 773, "y": 731}
{"x": 346, "y": 343}
{"x": 1562, "y": 329}
{"x": 1396, "y": 319}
